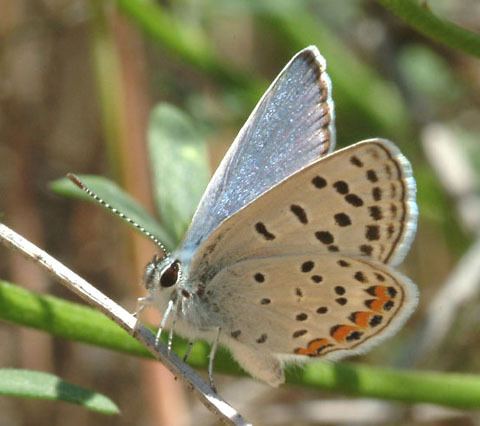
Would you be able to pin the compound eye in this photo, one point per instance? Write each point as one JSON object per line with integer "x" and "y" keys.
{"x": 170, "y": 275}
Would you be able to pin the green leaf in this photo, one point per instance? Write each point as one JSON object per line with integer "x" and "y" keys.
{"x": 179, "y": 165}
{"x": 39, "y": 385}
{"x": 112, "y": 194}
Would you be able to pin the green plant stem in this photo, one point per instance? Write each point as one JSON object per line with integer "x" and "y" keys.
{"x": 73, "y": 321}
{"x": 64, "y": 319}
{"x": 422, "y": 19}
{"x": 450, "y": 389}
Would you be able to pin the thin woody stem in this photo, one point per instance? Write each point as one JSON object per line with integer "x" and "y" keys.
{"x": 124, "y": 319}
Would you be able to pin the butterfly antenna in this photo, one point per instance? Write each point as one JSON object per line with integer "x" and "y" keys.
{"x": 115, "y": 211}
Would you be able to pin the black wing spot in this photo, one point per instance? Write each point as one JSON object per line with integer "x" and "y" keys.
{"x": 388, "y": 305}
{"x": 382, "y": 250}
{"x": 375, "y": 212}
{"x": 262, "y": 230}
{"x": 360, "y": 276}
{"x": 388, "y": 170}
{"x": 299, "y": 333}
{"x": 356, "y": 161}
{"x": 300, "y": 213}
{"x": 342, "y": 219}
{"x": 393, "y": 210}
{"x": 354, "y": 335}
{"x": 340, "y": 290}
{"x": 375, "y": 320}
{"x": 259, "y": 277}
{"x": 374, "y": 153}
{"x": 372, "y": 176}
{"x": 354, "y": 200}
{"x": 366, "y": 249}
{"x": 390, "y": 230}
{"x": 341, "y": 187}
{"x": 393, "y": 190}
{"x": 343, "y": 263}
{"x": 341, "y": 301}
{"x": 262, "y": 338}
{"x": 301, "y": 317}
{"x": 317, "y": 279}
{"x": 307, "y": 266}
{"x": 319, "y": 182}
{"x": 324, "y": 237}
{"x": 377, "y": 193}
{"x": 322, "y": 310}
{"x": 265, "y": 301}
{"x": 392, "y": 292}
{"x": 372, "y": 232}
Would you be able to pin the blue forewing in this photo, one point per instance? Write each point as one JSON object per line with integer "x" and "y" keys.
{"x": 291, "y": 126}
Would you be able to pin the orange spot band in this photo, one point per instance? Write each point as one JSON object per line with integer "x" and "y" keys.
{"x": 314, "y": 347}
{"x": 341, "y": 332}
{"x": 362, "y": 318}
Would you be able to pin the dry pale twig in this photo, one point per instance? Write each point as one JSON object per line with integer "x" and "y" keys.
{"x": 123, "y": 318}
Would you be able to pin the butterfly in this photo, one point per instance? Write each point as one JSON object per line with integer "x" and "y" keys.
{"x": 290, "y": 255}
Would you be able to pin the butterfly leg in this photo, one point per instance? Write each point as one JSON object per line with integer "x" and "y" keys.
{"x": 167, "y": 313}
{"x": 211, "y": 358}
{"x": 175, "y": 310}
{"x": 142, "y": 303}
{"x": 188, "y": 351}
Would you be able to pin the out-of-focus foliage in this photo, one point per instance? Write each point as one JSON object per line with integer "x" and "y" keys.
{"x": 179, "y": 164}
{"x": 116, "y": 198}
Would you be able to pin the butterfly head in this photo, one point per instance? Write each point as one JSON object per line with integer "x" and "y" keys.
{"x": 161, "y": 273}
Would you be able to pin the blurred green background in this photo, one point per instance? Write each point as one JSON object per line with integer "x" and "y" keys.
{"x": 79, "y": 80}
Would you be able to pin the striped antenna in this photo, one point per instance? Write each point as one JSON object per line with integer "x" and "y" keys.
{"x": 115, "y": 211}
